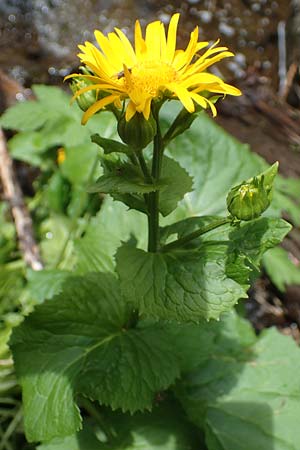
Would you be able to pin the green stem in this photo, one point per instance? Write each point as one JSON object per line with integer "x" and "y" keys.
{"x": 190, "y": 237}
{"x": 133, "y": 159}
{"x": 11, "y": 429}
{"x": 153, "y": 204}
{"x": 144, "y": 167}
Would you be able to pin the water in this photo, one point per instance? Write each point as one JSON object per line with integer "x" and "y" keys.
{"x": 38, "y": 38}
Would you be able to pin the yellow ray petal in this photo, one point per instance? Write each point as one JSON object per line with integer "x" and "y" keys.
{"x": 163, "y": 42}
{"x": 183, "y": 95}
{"x": 212, "y": 107}
{"x": 171, "y": 39}
{"x": 109, "y": 52}
{"x": 130, "y": 54}
{"x": 139, "y": 43}
{"x": 130, "y": 111}
{"x": 147, "y": 108}
{"x": 184, "y": 58}
{"x": 100, "y": 104}
{"x": 199, "y": 99}
{"x": 209, "y": 62}
{"x": 200, "y": 78}
{"x": 92, "y": 87}
{"x": 152, "y": 39}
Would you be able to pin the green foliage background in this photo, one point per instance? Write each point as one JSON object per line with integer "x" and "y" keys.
{"x": 211, "y": 385}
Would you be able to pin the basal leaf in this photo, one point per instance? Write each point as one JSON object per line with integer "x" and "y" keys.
{"x": 247, "y": 400}
{"x": 165, "y": 428}
{"x": 85, "y": 439}
{"x": 183, "y": 285}
{"x": 80, "y": 343}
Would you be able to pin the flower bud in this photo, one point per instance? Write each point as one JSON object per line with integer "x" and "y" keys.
{"x": 137, "y": 132}
{"x": 251, "y": 198}
{"x": 86, "y": 99}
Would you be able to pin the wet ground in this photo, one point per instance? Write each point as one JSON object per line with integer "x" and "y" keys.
{"x": 38, "y": 38}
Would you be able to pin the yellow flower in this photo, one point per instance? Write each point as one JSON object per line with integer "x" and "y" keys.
{"x": 61, "y": 155}
{"x": 152, "y": 70}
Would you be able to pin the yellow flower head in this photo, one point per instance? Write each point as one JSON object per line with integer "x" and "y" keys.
{"x": 153, "y": 69}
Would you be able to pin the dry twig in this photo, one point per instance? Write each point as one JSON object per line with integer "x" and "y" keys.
{"x": 22, "y": 219}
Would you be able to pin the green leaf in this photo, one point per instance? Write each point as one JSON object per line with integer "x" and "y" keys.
{"x": 57, "y": 193}
{"x": 27, "y": 116}
{"x": 165, "y": 428}
{"x": 56, "y": 233}
{"x": 280, "y": 268}
{"x": 45, "y": 284}
{"x": 11, "y": 284}
{"x": 286, "y": 197}
{"x": 196, "y": 343}
{"x": 110, "y": 145}
{"x": 184, "y": 286}
{"x": 27, "y": 146}
{"x": 53, "y": 97}
{"x": 79, "y": 163}
{"x": 79, "y": 343}
{"x": 202, "y": 280}
{"x": 251, "y": 239}
{"x": 247, "y": 400}
{"x": 85, "y": 439}
{"x": 95, "y": 251}
{"x": 177, "y": 183}
{"x": 123, "y": 179}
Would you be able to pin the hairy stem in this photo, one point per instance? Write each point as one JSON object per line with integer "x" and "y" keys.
{"x": 153, "y": 204}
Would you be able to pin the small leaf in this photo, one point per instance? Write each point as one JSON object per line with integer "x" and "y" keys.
{"x": 177, "y": 183}
{"x": 110, "y": 145}
{"x": 79, "y": 343}
{"x": 123, "y": 179}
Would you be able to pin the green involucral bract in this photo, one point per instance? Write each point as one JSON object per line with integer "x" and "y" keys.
{"x": 251, "y": 198}
{"x": 86, "y": 99}
{"x": 137, "y": 132}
